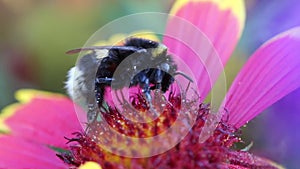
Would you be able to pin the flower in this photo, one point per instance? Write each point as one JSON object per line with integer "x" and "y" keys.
{"x": 270, "y": 74}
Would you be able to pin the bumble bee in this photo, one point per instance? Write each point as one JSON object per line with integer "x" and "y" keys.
{"x": 145, "y": 63}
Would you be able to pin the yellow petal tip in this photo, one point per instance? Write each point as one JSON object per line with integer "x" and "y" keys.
{"x": 5, "y": 113}
{"x": 237, "y": 7}
{"x": 3, "y": 127}
{"x": 90, "y": 165}
{"x": 25, "y": 95}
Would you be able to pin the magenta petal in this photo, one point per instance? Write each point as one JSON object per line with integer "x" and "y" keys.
{"x": 18, "y": 153}
{"x": 46, "y": 120}
{"x": 271, "y": 73}
{"x": 203, "y": 34}
{"x": 190, "y": 59}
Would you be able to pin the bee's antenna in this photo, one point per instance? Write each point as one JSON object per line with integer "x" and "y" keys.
{"x": 124, "y": 48}
{"x": 184, "y": 75}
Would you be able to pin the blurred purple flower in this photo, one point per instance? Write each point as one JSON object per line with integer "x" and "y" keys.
{"x": 270, "y": 17}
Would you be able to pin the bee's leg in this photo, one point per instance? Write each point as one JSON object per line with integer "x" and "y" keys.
{"x": 100, "y": 91}
{"x": 158, "y": 77}
{"x": 147, "y": 93}
{"x": 104, "y": 80}
{"x": 91, "y": 114}
{"x": 101, "y": 84}
{"x": 144, "y": 83}
{"x": 146, "y": 90}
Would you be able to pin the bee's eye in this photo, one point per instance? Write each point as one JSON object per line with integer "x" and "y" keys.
{"x": 165, "y": 67}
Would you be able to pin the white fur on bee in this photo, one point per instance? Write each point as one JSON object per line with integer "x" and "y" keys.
{"x": 81, "y": 78}
{"x": 75, "y": 84}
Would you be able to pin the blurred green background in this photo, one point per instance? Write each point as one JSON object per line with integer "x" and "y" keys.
{"x": 35, "y": 34}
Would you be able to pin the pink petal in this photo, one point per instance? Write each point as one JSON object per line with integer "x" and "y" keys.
{"x": 271, "y": 73}
{"x": 231, "y": 166}
{"x": 46, "y": 120}
{"x": 203, "y": 35}
{"x": 18, "y": 153}
{"x": 248, "y": 160}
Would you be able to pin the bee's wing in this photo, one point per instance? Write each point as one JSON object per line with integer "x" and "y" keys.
{"x": 95, "y": 48}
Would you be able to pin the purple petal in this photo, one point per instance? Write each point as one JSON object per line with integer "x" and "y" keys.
{"x": 271, "y": 73}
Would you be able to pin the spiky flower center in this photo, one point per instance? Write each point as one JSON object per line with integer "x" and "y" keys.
{"x": 189, "y": 153}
